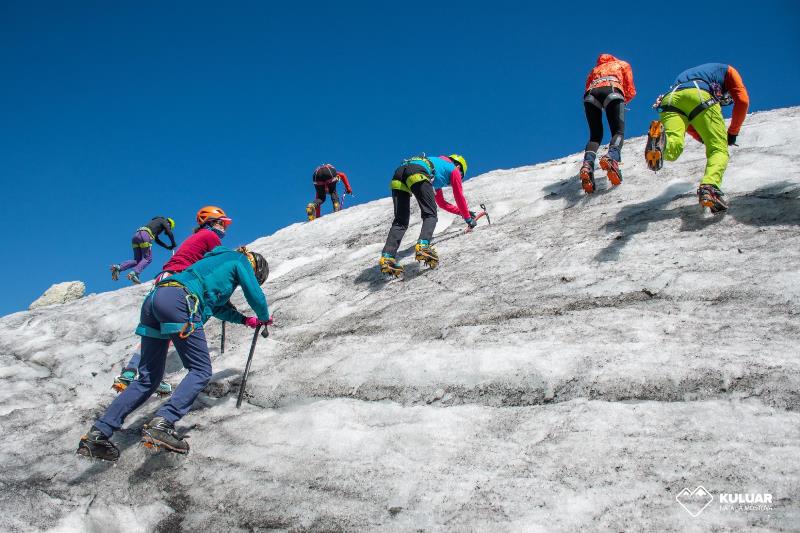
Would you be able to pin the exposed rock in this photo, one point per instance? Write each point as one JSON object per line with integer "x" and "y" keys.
{"x": 60, "y": 293}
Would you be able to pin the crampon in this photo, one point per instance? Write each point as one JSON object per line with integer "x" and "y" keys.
{"x": 712, "y": 198}
{"x": 426, "y": 254}
{"x": 612, "y": 170}
{"x": 158, "y": 434}
{"x": 311, "y": 211}
{"x": 654, "y": 150}
{"x": 390, "y": 267}
{"x": 587, "y": 178}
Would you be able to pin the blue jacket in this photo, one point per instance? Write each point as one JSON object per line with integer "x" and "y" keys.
{"x": 708, "y": 73}
{"x": 441, "y": 171}
{"x": 212, "y": 280}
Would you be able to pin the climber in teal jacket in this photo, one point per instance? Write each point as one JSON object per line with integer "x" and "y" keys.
{"x": 212, "y": 281}
{"x": 175, "y": 310}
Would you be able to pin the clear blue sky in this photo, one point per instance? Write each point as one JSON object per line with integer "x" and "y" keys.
{"x": 114, "y": 112}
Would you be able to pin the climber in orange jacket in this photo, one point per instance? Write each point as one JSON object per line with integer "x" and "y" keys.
{"x": 609, "y": 87}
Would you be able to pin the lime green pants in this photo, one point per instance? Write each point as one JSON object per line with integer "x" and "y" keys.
{"x": 709, "y": 124}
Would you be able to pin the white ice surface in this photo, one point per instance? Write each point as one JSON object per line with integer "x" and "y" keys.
{"x": 573, "y": 366}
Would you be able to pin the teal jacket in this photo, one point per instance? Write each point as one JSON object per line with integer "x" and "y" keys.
{"x": 212, "y": 280}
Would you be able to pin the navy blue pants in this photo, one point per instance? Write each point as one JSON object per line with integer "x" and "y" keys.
{"x": 167, "y": 304}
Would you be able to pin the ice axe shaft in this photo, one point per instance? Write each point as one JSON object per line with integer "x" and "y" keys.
{"x": 222, "y": 341}
{"x": 247, "y": 366}
{"x": 489, "y": 220}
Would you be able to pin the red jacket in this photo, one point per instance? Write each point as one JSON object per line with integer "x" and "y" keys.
{"x": 192, "y": 250}
{"x": 619, "y": 72}
{"x": 342, "y": 176}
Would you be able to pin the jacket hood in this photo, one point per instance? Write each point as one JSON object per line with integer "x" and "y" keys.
{"x": 605, "y": 58}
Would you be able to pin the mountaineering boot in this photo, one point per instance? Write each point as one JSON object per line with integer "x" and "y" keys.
{"x": 656, "y": 141}
{"x": 97, "y": 446}
{"x": 134, "y": 277}
{"x": 587, "y": 177}
{"x": 337, "y": 207}
{"x": 389, "y": 265}
{"x": 115, "y": 272}
{"x": 164, "y": 389}
{"x": 427, "y": 254}
{"x": 712, "y": 197}
{"x": 158, "y": 433}
{"x": 611, "y": 166}
{"x": 311, "y": 211}
{"x": 122, "y": 381}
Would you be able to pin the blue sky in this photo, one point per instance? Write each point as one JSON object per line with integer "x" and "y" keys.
{"x": 114, "y": 112}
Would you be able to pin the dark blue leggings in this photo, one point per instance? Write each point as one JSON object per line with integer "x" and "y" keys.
{"x": 166, "y": 304}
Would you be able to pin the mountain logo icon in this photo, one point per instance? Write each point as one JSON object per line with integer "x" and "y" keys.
{"x": 694, "y": 501}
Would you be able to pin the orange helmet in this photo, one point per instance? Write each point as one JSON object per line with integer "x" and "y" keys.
{"x": 210, "y": 213}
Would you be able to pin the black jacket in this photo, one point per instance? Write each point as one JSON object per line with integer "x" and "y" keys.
{"x": 159, "y": 224}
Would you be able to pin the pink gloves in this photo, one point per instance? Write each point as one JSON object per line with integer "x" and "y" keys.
{"x": 254, "y": 322}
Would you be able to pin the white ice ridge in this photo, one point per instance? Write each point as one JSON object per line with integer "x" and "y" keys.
{"x": 573, "y": 366}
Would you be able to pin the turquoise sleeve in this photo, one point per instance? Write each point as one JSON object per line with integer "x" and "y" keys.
{"x": 252, "y": 290}
{"x": 228, "y": 313}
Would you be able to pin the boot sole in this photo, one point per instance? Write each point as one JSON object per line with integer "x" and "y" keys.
{"x": 713, "y": 206}
{"x": 652, "y": 154}
{"x": 587, "y": 183}
{"x": 429, "y": 263}
{"x": 613, "y": 175}
{"x": 84, "y": 451}
{"x": 155, "y": 444}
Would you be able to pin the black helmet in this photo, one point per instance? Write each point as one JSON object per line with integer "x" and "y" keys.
{"x": 261, "y": 267}
{"x": 259, "y": 264}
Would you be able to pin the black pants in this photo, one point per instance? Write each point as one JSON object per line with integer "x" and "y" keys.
{"x": 615, "y": 114}
{"x": 322, "y": 190}
{"x": 423, "y": 192}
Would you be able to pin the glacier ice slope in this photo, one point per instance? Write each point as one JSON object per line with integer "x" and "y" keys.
{"x": 573, "y": 366}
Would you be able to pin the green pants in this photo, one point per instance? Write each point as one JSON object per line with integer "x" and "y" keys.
{"x": 709, "y": 124}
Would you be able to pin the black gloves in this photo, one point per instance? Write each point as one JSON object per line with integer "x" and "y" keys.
{"x": 732, "y": 139}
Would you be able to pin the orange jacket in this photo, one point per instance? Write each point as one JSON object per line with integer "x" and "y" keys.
{"x": 741, "y": 101}
{"x": 609, "y": 66}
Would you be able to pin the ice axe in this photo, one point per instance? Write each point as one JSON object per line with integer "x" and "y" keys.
{"x": 483, "y": 208}
{"x": 264, "y": 334}
{"x": 222, "y": 342}
{"x": 345, "y": 196}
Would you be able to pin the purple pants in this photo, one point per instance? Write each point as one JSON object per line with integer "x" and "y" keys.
{"x": 142, "y": 252}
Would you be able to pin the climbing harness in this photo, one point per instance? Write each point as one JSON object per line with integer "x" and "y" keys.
{"x": 192, "y": 303}
{"x": 716, "y": 96}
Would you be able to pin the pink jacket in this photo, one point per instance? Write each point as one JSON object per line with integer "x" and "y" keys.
{"x": 192, "y": 250}
{"x": 461, "y": 207}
